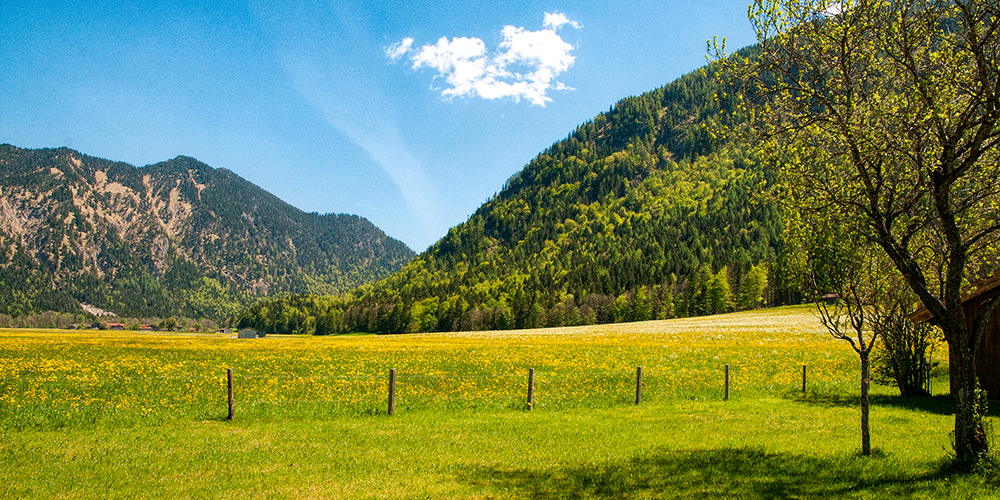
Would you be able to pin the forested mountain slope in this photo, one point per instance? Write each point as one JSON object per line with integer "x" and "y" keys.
{"x": 175, "y": 238}
{"x": 635, "y": 215}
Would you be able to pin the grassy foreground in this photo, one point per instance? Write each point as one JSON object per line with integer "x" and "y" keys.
{"x": 769, "y": 441}
{"x": 761, "y": 448}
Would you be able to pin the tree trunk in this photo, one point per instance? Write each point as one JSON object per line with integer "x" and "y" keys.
{"x": 866, "y": 441}
{"x": 954, "y": 369}
{"x": 970, "y": 436}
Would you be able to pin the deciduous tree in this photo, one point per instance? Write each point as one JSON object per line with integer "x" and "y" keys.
{"x": 888, "y": 110}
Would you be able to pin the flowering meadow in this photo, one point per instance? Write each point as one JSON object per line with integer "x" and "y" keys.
{"x": 77, "y": 378}
{"x": 132, "y": 415}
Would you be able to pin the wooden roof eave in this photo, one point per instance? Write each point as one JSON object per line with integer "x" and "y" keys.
{"x": 974, "y": 291}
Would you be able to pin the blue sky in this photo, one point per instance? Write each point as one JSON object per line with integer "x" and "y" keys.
{"x": 410, "y": 114}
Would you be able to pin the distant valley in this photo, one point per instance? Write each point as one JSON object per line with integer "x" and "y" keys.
{"x": 638, "y": 214}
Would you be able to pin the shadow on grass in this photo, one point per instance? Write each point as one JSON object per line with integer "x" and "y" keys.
{"x": 938, "y": 405}
{"x": 723, "y": 473}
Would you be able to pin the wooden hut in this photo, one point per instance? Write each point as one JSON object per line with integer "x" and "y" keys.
{"x": 988, "y": 354}
{"x": 249, "y": 333}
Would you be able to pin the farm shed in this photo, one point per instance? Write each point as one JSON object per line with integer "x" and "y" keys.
{"x": 249, "y": 333}
{"x": 988, "y": 354}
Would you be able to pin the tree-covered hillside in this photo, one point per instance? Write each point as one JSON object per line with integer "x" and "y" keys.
{"x": 636, "y": 215}
{"x": 175, "y": 238}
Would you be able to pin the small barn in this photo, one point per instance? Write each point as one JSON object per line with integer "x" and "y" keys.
{"x": 249, "y": 333}
{"x": 988, "y": 353}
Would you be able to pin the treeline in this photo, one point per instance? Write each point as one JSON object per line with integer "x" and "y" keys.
{"x": 47, "y": 319}
{"x": 52, "y": 319}
{"x": 636, "y": 215}
{"x": 322, "y": 315}
{"x": 183, "y": 290}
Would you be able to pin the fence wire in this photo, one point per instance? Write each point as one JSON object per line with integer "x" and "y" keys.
{"x": 43, "y": 400}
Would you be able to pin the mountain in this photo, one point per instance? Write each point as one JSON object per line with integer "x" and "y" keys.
{"x": 174, "y": 238}
{"x": 638, "y": 214}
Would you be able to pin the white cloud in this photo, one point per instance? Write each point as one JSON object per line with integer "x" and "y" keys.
{"x": 834, "y": 9}
{"x": 555, "y": 20}
{"x": 525, "y": 65}
{"x": 397, "y": 50}
{"x": 461, "y": 61}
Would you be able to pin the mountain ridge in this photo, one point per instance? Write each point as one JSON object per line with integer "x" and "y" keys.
{"x": 637, "y": 214}
{"x": 80, "y": 228}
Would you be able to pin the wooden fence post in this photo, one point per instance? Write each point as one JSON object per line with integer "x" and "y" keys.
{"x": 638, "y": 385}
{"x": 531, "y": 388}
{"x": 232, "y": 406}
{"x": 392, "y": 391}
{"x": 803, "y": 379}
{"x": 727, "y": 383}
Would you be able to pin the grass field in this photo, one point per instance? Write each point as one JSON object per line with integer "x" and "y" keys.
{"x": 126, "y": 415}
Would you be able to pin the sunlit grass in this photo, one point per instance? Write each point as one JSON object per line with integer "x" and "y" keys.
{"x": 83, "y": 377}
{"x": 126, "y": 415}
{"x": 751, "y": 448}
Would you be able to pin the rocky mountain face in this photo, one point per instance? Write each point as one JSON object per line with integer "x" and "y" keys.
{"x": 176, "y": 237}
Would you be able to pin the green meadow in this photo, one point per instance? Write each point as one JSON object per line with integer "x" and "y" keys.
{"x": 104, "y": 415}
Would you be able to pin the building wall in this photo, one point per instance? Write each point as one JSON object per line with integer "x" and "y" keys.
{"x": 988, "y": 353}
